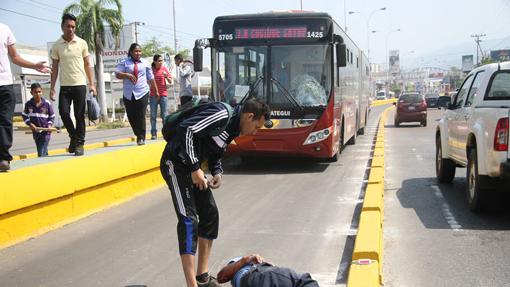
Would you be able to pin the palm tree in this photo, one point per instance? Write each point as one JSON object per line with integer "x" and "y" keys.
{"x": 92, "y": 16}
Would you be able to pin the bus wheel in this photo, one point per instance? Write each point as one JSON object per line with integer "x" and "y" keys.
{"x": 335, "y": 157}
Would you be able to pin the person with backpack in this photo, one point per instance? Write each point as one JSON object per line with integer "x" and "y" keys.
{"x": 202, "y": 132}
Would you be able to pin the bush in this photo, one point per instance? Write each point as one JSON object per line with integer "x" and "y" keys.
{"x": 112, "y": 125}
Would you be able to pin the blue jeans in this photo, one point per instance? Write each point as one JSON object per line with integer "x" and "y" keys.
{"x": 41, "y": 141}
{"x": 154, "y": 102}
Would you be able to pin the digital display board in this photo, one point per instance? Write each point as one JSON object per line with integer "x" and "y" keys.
{"x": 270, "y": 32}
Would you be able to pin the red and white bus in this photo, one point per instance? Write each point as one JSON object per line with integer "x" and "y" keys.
{"x": 304, "y": 66}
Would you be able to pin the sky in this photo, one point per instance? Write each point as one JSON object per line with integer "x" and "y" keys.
{"x": 432, "y": 32}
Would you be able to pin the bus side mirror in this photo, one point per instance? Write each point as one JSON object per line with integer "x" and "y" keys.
{"x": 198, "y": 55}
{"x": 341, "y": 55}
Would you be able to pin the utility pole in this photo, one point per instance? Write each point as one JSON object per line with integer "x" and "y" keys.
{"x": 175, "y": 29}
{"x": 136, "y": 29}
{"x": 478, "y": 47}
{"x": 301, "y": 1}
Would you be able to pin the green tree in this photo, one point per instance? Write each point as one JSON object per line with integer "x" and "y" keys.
{"x": 153, "y": 46}
{"x": 184, "y": 53}
{"x": 92, "y": 18}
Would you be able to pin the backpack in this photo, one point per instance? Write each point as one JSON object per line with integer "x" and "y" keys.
{"x": 174, "y": 119}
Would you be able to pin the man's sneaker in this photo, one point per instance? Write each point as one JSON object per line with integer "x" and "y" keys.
{"x": 154, "y": 137}
{"x": 211, "y": 282}
{"x": 140, "y": 142}
{"x": 78, "y": 151}
{"x": 72, "y": 146}
{"x": 4, "y": 165}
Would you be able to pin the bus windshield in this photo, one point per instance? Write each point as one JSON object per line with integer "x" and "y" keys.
{"x": 281, "y": 76}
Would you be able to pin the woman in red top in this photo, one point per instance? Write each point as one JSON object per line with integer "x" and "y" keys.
{"x": 162, "y": 77}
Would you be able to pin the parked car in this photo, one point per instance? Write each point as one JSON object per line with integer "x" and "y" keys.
{"x": 411, "y": 107}
{"x": 474, "y": 133}
{"x": 431, "y": 100}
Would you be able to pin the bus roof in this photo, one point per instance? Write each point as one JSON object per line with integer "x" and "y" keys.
{"x": 275, "y": 15}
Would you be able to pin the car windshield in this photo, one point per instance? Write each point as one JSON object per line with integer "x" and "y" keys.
{"x": 298, "y": 76}
{"x": 411, "y": 98}
{"x": 431, "y": 96}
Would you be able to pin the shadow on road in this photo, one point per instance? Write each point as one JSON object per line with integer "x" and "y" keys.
{"x": 403, "y": 126}
{"x": 272, "y": 165}
{"x": 438, "y": 205}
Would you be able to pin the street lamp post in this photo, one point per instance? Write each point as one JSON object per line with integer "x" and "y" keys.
{"x": 388, "y": 61}
{"x": 368, "y": 27}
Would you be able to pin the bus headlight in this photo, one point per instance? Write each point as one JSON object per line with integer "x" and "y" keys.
{"x": 318, "y": 136}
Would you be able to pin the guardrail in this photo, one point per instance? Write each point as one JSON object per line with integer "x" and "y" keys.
{"x": 40, "y": 198}
{"x": 366, "y": 266}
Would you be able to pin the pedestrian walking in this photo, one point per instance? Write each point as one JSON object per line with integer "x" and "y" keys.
{"x": 136, "y": 74}
{"x": 39, "y": 116}
{"x": 185, "y": 72}
{"x": 203, "y": 133}
{"x": 70, "y": 56}
{"x": 162, "y": 77}
{"x": 7, "y": 97}
{"x": 254, "y": 271}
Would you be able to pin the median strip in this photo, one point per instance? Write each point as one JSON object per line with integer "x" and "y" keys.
{"x": 366, "y": 266}
{"x": 74, "y": 188}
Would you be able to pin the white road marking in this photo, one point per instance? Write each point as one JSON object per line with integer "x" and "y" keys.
{"x": 419, "y": 157}
{"x": 447, "y": 213}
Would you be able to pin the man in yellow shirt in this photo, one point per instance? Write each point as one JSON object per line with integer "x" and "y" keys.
{"x": 70, "y": 53}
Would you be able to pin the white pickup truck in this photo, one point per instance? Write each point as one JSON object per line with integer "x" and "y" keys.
{"x": 473, "y": 133}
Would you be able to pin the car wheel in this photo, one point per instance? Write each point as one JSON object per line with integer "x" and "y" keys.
{"x": 424, "y": 123}
{"x": 476, "y": 195}
{"x": 445, "y": 167}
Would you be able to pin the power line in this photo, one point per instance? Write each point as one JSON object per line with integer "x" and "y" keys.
{"x": 41, "y": 19}
{"x": 44, "y": 4}
{"x": 47, "y": 8}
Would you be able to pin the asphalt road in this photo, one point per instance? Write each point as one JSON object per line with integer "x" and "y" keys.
{"x": 430, "y": 236}
{"x": 297, "y": 213}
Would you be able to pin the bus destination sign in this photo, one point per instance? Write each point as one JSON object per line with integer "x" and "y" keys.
{"x": 271, "y": 33}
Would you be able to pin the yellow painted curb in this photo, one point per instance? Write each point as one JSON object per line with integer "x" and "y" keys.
{"x": 376, "y": 175}
{"x": 118, "y": 141}
{"x": 368, "y": 240}
{"x": 368, "y": 246}
{"x": 378, "y": 161}
{"x": 374, "y": 199}
{"x": 364, "y": 275}
{"x": 76, "y": 188}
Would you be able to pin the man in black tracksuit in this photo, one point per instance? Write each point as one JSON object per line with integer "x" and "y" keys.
{"x": 190, "y": 145}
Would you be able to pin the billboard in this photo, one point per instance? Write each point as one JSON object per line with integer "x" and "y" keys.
{"x": 500, "y": 55}
{"x": 394, "y": 61}
{"x": 467, "y": 63}
{"x": 111, "y": 55}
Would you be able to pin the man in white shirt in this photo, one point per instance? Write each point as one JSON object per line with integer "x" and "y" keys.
{"x": 7, "y": 97}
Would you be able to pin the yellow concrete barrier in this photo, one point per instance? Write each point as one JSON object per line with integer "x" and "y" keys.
{"x": 382, "y": 102}
{"x": 376, "y": 175}
{"x": 368, "y": 240}
{"x": 368, "y": 246}
{"x": 378, "y": 161}
{"x": 364, "y": 275}
{"x": 374, "y": 196}
{"x": 119, "y": 141}
{"x": 76, "y": 188}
